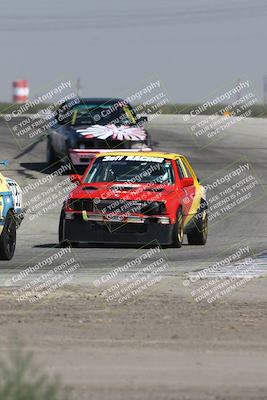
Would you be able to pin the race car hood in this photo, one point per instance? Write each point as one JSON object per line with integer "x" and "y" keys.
{"x": 111, "y": 131}
{"x": 144, "y": 191}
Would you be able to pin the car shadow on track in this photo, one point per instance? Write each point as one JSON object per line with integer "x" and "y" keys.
{"x": 44, "y": 168}
{"x": 96, "y": 246}
{"x": 35, "y": 166}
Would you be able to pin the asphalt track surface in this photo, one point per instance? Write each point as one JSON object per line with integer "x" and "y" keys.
{"x": 38, "y": 237}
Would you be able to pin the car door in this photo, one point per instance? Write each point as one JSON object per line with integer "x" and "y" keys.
{"x": 61, "y": 133}
{"x": 193, "y": 192}
{"x": 63, "y": 139}
{"x": 187, "y": 192}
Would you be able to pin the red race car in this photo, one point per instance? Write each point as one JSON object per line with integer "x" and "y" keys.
{"x": 136, "y": 198}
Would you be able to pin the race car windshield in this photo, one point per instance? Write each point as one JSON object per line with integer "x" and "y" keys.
{"x": 131, "y": 169}
{"x": 90, "y": 114}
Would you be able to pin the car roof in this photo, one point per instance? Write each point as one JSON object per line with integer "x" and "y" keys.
{"x": 168, "y": 156}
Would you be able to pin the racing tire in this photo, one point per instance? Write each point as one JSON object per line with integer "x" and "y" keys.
{"x": 178, "y": 230}
{"x": 51, "y": 157}
{"x": 60, "y": 227}
{"x": 199, "y": 234}
{"x": 8, "y": 238}
{"x": 62, "y": 241}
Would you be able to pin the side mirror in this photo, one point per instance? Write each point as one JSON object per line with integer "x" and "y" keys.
{"x": 76, "y": 178}
{"x": 187, "y": 182}
{"x": 142, "y": 118}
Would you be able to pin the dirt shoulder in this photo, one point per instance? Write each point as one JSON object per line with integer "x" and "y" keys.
{"x": 161, "y": 346}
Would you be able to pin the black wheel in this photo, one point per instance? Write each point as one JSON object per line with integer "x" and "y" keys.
{"x": 61, "y": 227}
{"x": 62, "y": 241}
{"x": 50, "y": 153}
{"x": 199, "y": 234}
{"x": 8, "y": 238}
{"x": 178, "y": 230}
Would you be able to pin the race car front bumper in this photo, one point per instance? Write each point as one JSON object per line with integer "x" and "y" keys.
{"x": 98, "y": 230}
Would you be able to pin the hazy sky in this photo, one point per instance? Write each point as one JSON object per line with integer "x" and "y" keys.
{"x": 193, "y": 46}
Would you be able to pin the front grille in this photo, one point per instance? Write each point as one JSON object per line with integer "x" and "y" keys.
{"x": 114, "y": 207}
{"x": 81, "y": 204}
{"x": 119, "y": 228}
{"x": 154, "y": 207}
{"x": 120, "y": 206}
{"x": 103, "y": 144}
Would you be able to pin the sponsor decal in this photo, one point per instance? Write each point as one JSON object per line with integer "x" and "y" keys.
{"x": 112, "y": 131}
{"x": 133, "y": 158}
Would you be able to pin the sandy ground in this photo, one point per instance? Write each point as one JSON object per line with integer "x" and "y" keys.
{"x": 162, "y": 346}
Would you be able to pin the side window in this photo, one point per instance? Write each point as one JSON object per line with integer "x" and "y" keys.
{"x": 187, "y": 169}
{"x": 188, "y": 173}
{"x": 181, "y": 170}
